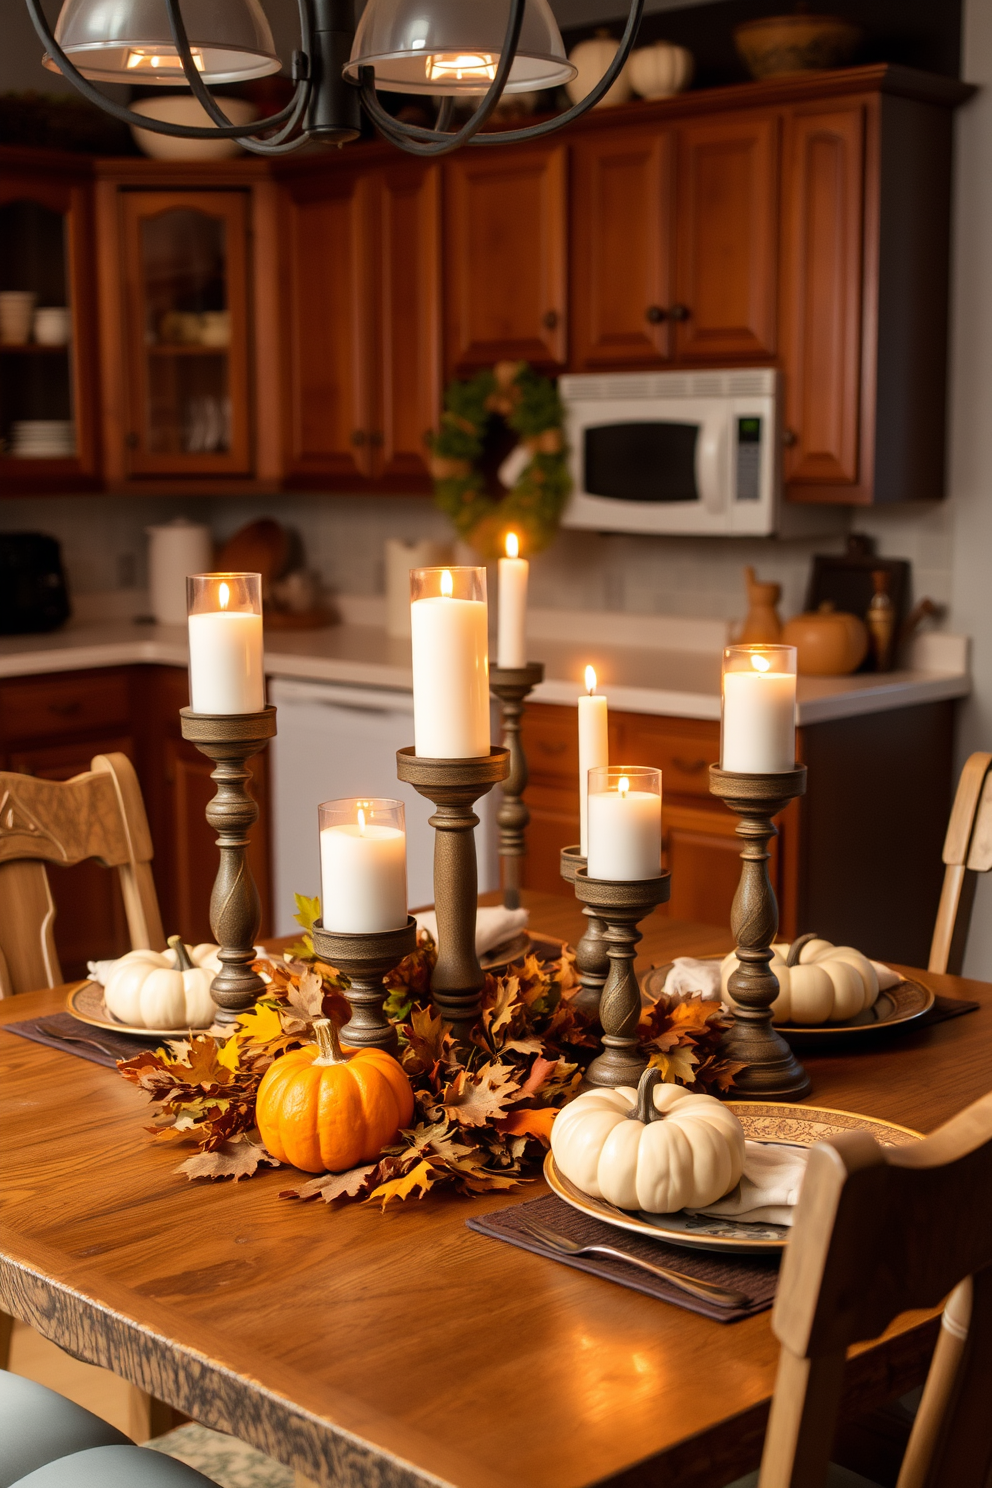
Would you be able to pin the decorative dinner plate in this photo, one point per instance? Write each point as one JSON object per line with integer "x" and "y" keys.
{"x": 86, "y": 1003}
{"x": 526, "y": 943}
{"x": 776, "y": 1123}
{"x": 901, "y": 1005}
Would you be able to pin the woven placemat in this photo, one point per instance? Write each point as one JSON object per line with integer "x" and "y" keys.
{"x": 69, "y": 1036}
{"x": 755, "y": 1276}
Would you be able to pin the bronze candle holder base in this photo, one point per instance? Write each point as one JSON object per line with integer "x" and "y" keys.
{"x": 591, "y": 960}
{"x": 513, "y": 685}
{"x": 621, "y": 905}
{"x": 365, "y": 958}
{"x": 454, "y": 786}
{"x": 772, "y": 1071}
{"x": 230, "y": 740}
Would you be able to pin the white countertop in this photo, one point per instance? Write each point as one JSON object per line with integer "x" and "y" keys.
{"x": 664, "y": 666}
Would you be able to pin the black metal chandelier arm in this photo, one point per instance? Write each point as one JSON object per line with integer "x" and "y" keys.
{"x": 126, "y": 115}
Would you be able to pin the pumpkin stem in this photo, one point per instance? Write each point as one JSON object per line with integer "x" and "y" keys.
{"x": 183, "y": 963}
{"x": 328, "y": 1042}
{"x": 645, "y": 1111}
{"x": 792, "y": 959}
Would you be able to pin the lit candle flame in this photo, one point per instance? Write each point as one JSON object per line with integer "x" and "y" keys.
{"x": 361, "y": 820}
{"x": 447, "y": 584}
{"x": 224, "y": 595}
{"x": 623, "y": 785}
{"x": 760, "y": 663}
{"x": 512, "y": 545}
{"x": 590, "y": 680}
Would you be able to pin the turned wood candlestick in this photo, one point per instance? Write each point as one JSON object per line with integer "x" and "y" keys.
{"x": 513, "y": 685}
{"x": 772, "y": 1071}
{"x": 365, "y": 958}
{"x": 621, "y": 905}
{"x": 454, "y": 786}
{"x": 230, "y": 740}
{"x": 591, "y": 961}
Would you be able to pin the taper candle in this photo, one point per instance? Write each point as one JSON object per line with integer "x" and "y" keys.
{"x": 362, "y": 866}
{"x": 226, "y": 672}
{"x": 624, "y": 823}
{"x": 449, "y": 627}
{"x": 758, "y": 730}
{"x": 594, "y": 749}
{"x": 511, "y": 647}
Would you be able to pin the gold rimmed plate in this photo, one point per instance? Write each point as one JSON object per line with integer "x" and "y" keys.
{"x": 777, "y": 1123}
{"x": 86, "y": 1003}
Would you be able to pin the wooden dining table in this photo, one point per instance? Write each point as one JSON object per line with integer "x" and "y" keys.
{"x": 401, "y": 1348}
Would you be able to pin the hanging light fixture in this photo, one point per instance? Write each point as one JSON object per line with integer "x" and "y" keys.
{"x": 446, "y": 48}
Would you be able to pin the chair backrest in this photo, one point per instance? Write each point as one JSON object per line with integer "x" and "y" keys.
{"x": 967, "y": 852}
{"x": 97, "y": 815}
{"x": 880, "y": 1231}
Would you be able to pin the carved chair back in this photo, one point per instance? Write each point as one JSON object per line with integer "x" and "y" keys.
{"x": 967, "y": 852}
{"x": 96, "y": 815}
{"x": 878, "y": 1232}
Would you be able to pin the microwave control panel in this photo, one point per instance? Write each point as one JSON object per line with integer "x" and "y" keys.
{"x": 749, "y": 458}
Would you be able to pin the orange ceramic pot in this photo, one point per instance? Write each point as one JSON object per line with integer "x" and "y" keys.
{"x": 828, "y": 642}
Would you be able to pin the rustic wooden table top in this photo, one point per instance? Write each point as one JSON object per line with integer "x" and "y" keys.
{"x": 402, "y": 1348}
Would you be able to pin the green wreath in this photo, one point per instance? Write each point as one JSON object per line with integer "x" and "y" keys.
{"x": 531, "y": 407}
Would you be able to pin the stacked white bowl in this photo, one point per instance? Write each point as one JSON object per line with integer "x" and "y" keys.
{"x": 43, "y": 439}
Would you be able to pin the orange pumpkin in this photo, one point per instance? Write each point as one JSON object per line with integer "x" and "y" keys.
{"x": 323, "y": 1110}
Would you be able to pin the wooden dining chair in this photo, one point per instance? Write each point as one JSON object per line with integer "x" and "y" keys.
{"x": 97, "y": 815}
{"x": 880, "y": 1231}
{"x": 967, "y": 852}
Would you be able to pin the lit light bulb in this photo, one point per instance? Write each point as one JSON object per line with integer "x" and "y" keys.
{"x": 361, "y": 820}
{"x": 760, "y": 663}
{"x": 623, "y": 785}
{"x": 142, "y": 61}
{"x": 512, "y": 545}
{"x": 461, "y": 67}
{"x": 224, "y": 595}
{"x": 447, "y": 584}
{"x": 590, "y": 680}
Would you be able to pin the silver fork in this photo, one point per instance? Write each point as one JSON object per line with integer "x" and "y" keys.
{"x": 76, "y": 1038}
{"x": 706, "y": 1291}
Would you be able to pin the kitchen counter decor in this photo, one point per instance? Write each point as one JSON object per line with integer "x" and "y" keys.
{"x": 535, "y": 475}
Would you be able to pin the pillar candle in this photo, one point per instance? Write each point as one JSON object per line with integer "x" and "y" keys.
{"x": 226, "y": 672}
{"x": 759, "y": 719}
{"x": 362, "y": 876}
{"x": 594, "y": 749}
{"x": 511, "y": 650}
{"x": 624, "y": 833}
{"x": 450, "y": 639}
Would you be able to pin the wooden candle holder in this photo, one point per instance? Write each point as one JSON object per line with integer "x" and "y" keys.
{"x": 772, "y": 1071}
{"x": 454, "y": 786}
{"x": 591, "y": 961}
{"x": 620, "y": 905}
{"x": 230, "y": 740}
{"x": 513, "y": 685}
{"x": 365, "y": 958}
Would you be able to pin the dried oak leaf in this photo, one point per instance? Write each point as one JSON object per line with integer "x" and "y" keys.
{"x": 539, "y": 1072}
{"x": 477, "y": 1099}
{"x": 677, "y": 1065}
{"x": 428, "y": 1044}
{"x": 330, "y": 1186}
{"x": 237, "y": 1158}
{"x": 422, "y": 1176}
{"x": 308, "y": 995}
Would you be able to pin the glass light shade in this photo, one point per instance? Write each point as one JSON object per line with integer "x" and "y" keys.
{"x": 129, "y": 41}
{"x": 453, "y": 46}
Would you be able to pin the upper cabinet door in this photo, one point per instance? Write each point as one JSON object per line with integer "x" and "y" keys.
{"x": 409, "y": 324}
{"x": 821, "y": 292}
{"x": 727, "y": 266}
{"x": 331, "y": 276}
{"x": 504, "y": 248}
{"x": 187, "y": 384}
{"x": 622, "y": 228}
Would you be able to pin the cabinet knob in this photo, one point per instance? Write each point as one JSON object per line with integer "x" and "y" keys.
{"x": 358, "y": 437}
{"x": 789, "y": 438}
{"x": 679, "y": 312}
{"x": 550, "y": 320}
{"x": 131, "y": 440}
{"x": 654, "y": 314}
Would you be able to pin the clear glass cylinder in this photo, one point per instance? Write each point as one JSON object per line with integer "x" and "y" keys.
{"x": 624, "y": 823}
{"x": 362, "y": 865}
{"x": 449, "y": 632}
{"x": 758, "y": 710}
{"x": 226, "y": 666}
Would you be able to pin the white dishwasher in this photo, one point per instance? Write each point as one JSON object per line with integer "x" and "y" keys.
{"x": 336, "y": 740}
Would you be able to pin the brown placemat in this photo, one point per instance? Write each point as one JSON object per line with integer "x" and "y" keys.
{"x": 947, "y": 1007}
{"x": 99, "y": 1045}
{"x": 756, "y": 1276}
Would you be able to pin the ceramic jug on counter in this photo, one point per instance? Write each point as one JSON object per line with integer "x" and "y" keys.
{"x": 762, "y": 626}
{"x": 828, "y": 642}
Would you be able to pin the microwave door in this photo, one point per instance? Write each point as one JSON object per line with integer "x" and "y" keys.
{"x": 649, "y": 460}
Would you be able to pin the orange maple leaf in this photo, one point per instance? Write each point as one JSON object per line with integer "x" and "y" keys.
{"x": 528, "y": 1123}
{"x": 422, "y": 1176}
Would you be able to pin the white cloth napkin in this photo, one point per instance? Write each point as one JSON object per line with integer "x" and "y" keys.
{"x": 493, "y": 925}
{"x": 887, "y": 979}
{"x": 769, "y": 1187}
{"x": 689, "y": 977}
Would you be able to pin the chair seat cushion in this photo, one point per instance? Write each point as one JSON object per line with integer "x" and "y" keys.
{"x": 115, "y": 1467}
{"x": 38, "y": 1425}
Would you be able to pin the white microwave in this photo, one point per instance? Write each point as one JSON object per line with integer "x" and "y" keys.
{"x": 678, "y": 452}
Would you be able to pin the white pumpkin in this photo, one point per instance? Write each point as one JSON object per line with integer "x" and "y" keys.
{"x": 657, "y": 1148}
{"x": 659, "y": 70}
{"x": 146, "y": 991}
{"x": 592, "y": 58}
{"x": 818, "y": 982}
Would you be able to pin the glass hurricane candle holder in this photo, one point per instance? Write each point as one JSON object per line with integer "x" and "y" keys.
{"x": 624, "y": 823}
{"x": 449, "y": 627}
{"x": 758, "y": 711}
{"x": 362, "y": 865}
{"x": 226, "y": 670}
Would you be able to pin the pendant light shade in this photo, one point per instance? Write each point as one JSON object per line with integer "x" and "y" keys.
{"x": 130, "y": 41}
{"x": 453, "y": 46}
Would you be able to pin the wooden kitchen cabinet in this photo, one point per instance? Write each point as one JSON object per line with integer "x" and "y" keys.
{"x": 505, "y": 255}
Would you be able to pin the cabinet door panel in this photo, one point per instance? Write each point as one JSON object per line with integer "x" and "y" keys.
{"x": 554, "y": 824}
{"x": 623, "y": 217}
{"x": 821, "y": 292}
{"x": 701, "y": 850}
{"x": 681, "y": 748}
{"x": 330, "y": 288}
{"x": 728, "y": 222}
{"x": 505, "y": 238}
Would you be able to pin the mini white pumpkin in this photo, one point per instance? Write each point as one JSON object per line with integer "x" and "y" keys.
{"x": 660, "y": 69}
{"x": 818, "y": 982}
{"x": 592, "y": 58}
{"x": 657, "y": 1148}
{"x": 146, "y": 991}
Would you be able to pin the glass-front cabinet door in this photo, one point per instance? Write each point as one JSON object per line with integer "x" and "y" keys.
{"x": 187, "y": 389}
